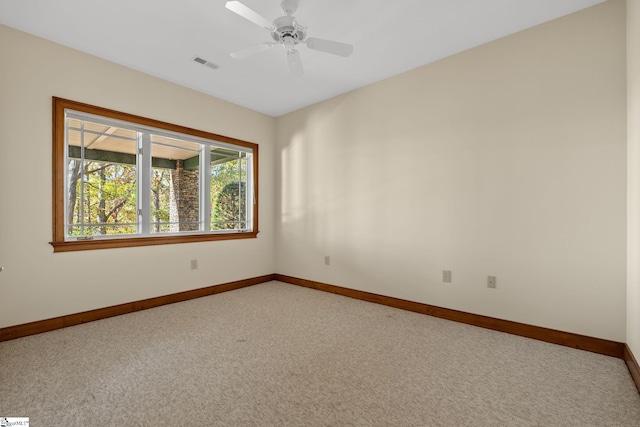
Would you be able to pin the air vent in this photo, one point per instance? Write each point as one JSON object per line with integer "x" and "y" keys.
{"x": 205, "y": 63}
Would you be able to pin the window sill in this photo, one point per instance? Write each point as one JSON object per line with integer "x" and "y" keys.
{"x": 86, "y": 245}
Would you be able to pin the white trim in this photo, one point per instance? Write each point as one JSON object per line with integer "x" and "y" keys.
{"x": 144, "y": 184}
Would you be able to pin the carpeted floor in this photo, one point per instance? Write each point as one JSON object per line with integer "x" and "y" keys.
{"x": 281, "y": 355}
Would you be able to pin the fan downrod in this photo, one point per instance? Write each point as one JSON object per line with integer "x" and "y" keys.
{"x": 289, "y": 6}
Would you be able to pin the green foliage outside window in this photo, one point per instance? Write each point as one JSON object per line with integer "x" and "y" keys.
{"x": 227, "y": 195}
{"x": 103, "y": 198}
{"x": 230, "y": 207}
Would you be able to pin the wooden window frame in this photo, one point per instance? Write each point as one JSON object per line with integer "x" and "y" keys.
{"x": 59, "y": 191}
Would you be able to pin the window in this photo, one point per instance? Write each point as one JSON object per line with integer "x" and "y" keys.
{"x": 121, "y": 180}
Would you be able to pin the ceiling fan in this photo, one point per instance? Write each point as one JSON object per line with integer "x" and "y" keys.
{"x": 287, "y": 32}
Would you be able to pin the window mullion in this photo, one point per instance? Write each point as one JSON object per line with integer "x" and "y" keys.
{"x": 205, "y": 185}
{"x": 144, "y": 186}
{"x": 82, "y": 180}
{"x": 239, "y": 196}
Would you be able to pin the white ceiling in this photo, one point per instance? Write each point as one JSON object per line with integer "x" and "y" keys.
{"x": 161, "y": 37}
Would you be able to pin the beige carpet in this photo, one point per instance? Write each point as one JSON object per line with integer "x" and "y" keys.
{"x": 280, "y": 355}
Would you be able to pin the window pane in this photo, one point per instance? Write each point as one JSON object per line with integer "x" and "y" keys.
{"x": 101, "y": 181}
{"x": 161, "y": 200}
{"x": 228, "y": 190}
{"x": 175, "y": 182}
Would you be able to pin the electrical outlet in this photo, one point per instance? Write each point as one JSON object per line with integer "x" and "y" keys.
{"x": 446, "y": 276}
{"x": 327, "y": 260}
{"x": 194, "y": 264}
{"x": 491, "y": 282}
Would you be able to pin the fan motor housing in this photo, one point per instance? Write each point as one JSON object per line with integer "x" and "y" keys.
{"x": 286, "y": 27}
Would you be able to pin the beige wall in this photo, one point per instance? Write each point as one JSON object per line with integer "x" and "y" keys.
{"x": 38, "y": 284}
{"x": 633, "y": 173}
{"x": 508, "y": 159}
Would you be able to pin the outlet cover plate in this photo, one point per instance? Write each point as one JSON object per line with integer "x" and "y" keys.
{"x": 491, "y": 282}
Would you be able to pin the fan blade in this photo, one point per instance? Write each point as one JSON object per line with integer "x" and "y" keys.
{"x": 249, "y": 51}
{"x": 249, "y": 14}
{"x": 328, "y": 46}
{"x": 295, "y": 65}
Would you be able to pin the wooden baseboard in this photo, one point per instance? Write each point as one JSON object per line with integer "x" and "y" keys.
{"x": 33, "y": 328}
{"x": 582, "y": 342}
{"x": 632, "y": 364}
